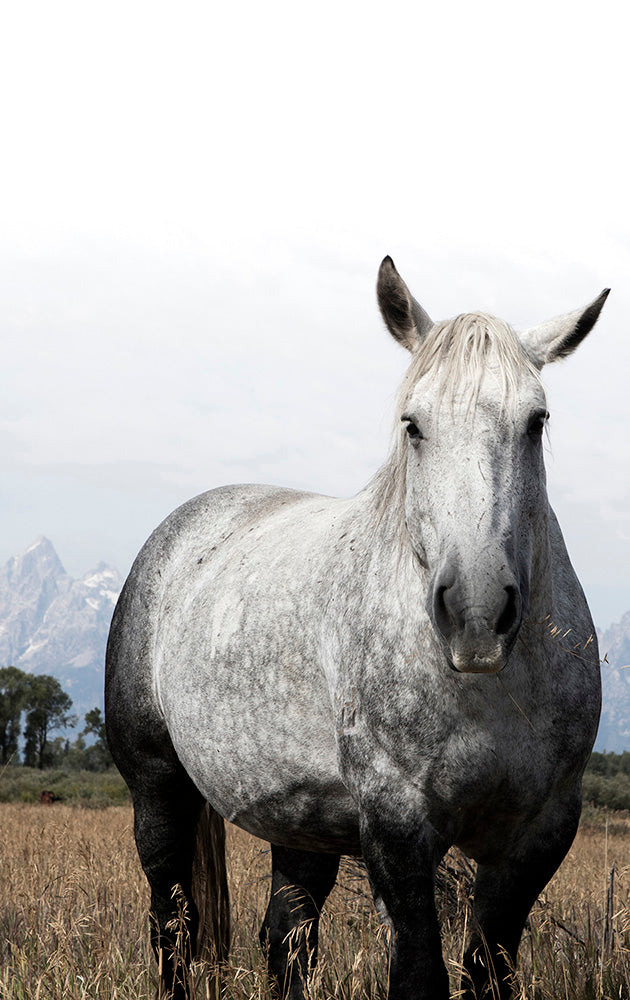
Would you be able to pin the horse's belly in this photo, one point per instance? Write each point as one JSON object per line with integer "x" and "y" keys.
{"x": 306, "y": 817}
{"x": 277, "y": 791}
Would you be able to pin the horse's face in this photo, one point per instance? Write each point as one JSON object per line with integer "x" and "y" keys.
{"x": 473, "y": 411}
{"x": 476, "y": 511}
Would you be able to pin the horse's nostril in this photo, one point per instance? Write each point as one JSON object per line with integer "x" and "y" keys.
{"x": 439, "y": 610}
{"x": 445, "y": 614}
{"x": 510, "y": 614}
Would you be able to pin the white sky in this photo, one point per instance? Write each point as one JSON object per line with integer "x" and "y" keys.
{"x": 195, "y": 198}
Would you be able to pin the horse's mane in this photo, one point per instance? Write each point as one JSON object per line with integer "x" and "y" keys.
{"x": 458, "y": 353}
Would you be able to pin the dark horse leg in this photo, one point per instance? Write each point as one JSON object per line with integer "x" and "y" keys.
{"x": 167, "y": 807}
{"x": 503, "y": 897}
{"x": 300, "y": 883}
{"x": 401, "y": 857}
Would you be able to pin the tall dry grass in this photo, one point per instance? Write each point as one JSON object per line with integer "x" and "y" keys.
{"x": 73, "y": 917}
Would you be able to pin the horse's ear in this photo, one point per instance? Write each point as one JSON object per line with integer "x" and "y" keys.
{"x": 560, "y": 336}
{"x": 405, "y": 319}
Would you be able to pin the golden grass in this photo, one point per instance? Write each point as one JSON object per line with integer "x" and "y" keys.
{"x": 74, "y": 902}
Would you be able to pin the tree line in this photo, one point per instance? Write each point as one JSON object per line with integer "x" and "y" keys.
{"x": 607, "y": 780}
{"x": 32, "y": 708}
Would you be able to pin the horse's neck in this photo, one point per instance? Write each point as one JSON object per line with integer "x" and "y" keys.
{"x": 566, "y": 592}
{"x": 386, "y": 555}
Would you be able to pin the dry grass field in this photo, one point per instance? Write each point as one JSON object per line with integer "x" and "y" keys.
{"x": 73, "y": 917}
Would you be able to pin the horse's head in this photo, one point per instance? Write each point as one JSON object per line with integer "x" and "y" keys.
{"x": 469, "y": 460}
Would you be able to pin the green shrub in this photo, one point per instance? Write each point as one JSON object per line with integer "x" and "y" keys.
{"x": 92, "y": 789}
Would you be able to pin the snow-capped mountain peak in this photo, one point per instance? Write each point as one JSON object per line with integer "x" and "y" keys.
{"x": 53, "y": 624}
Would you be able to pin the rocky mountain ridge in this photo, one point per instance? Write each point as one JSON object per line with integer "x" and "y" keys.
{"x": 53, "y": 624}
{"x": 614, "y": 649}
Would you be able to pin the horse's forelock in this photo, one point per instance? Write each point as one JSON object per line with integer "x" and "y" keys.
{"x": 458, "y": 353}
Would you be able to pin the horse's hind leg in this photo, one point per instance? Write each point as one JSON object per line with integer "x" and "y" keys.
{"x": 300, "y": 884}
{"x": 167, "y": 807}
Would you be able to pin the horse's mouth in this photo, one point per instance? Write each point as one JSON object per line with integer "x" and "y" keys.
{"x": 483, "y": 655}
{"x": 464, "y": 663}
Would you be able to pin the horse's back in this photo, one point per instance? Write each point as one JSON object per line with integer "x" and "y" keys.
{"x": 206, "y": 521}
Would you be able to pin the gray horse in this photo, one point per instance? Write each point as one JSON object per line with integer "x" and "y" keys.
{"x": 372, "y": 676}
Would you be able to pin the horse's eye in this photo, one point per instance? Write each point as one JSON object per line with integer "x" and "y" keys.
{"x": 537, "y": 426}
{"x": 413, "y": 430}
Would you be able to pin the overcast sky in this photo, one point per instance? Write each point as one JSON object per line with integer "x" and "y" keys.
{"x": 195, "y": 199}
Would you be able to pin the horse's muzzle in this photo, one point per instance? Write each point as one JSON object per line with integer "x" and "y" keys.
{"x": 479, "y": 636}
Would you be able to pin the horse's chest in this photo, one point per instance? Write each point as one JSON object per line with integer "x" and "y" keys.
{"x": 479, "y": 759}
{"x": 482, "y": 792}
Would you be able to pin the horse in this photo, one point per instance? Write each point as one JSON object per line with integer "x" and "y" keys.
{"x": 378, "y": 676}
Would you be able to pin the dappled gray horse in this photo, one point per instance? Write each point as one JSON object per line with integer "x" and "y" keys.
{"x": 378, "y": 676}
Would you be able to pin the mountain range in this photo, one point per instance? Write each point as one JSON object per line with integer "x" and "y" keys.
{"x": 53, "y": 624}
{"x": 614, "y": 648}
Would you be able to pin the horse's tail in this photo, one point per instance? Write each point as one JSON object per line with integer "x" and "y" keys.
{"x": 210, "y": 888}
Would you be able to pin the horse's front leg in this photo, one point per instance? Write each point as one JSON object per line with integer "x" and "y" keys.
{"x": 401, "y": 856}
{"x": 504, "y": 894}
